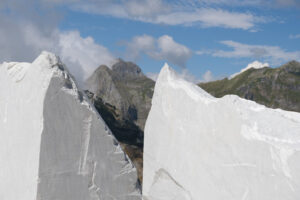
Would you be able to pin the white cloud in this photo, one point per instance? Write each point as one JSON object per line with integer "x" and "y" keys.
{"x": 203, "y": 52}
{"x": 255, "y": 65}
{"x": 175, "y": 13}
{"x": 89, "y": 55}
{"x": 188, "y": 76}
{"x": 145, "y": 8}
{"x": 297, "y": 36}
{"x": 24, "y": 29}
{"x": 131, "y": 9}
{"x": 163, "y": 48}
{"x": 199, "y": 52}
{"x": 287, "y": 3}
{"x": 185, "y": 74}
{"x": 273, "y": 54}
{"x": 139, "y": 44}
{"x": 232, "y": 2}
{"x": 30, "y": 26}
{"x": 210, "y": 17}
{"x": 246, "y": 3}
{"x": 207, "y": 76}
{"x": 152, "y": 75}
{"x": 172, "y": 51}
{"x": 24, "y": 41}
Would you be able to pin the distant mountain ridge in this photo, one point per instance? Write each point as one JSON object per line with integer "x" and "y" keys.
{"x": 125, "y": 87}
{"x": 272, "y": 87}
{"x": 122, "y": 94}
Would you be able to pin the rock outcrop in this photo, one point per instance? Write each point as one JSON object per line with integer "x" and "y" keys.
{"x": 201, "y": 147}
{"x": 54, "y": 144}
{"x": 125, "y": 88}
{"x": 122, "y": 95}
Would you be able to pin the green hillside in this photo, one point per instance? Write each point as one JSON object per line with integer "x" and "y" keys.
{"x": 274, "y": 88}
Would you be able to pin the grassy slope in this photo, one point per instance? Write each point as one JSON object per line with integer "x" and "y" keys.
{"x": 275, "y": 88}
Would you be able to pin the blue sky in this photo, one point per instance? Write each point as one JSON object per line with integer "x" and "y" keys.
{"x": 204, "y": 39}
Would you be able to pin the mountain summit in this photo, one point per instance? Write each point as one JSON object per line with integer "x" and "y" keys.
{"x": 125, "y": 87}
{"x": 122, "y": 95}
{"x": 127, "y": 70}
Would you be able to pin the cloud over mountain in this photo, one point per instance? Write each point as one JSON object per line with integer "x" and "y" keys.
{"x": 162, "y": 48}
{"x": 273, "y": 54}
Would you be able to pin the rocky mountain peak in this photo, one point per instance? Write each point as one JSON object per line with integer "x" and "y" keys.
{"x": 292, "y": 67}
{"x": 101, "y": 68}
{"x": 127, "y": 69}
{"x": 122, "y": 95}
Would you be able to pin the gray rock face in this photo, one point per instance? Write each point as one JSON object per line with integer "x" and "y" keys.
{"x": 127, "y": 70}
{"x": 125, "y": 87}
{"x": 77, "y": 157}
{"x": 122, "y": 95}
{"x": 101, "y": 84}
